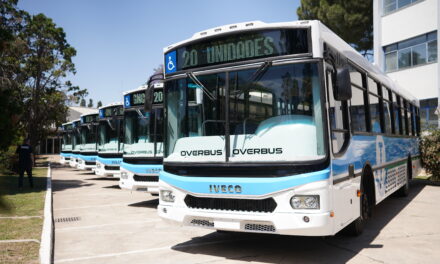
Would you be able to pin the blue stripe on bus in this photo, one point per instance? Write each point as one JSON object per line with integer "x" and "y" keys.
{"x": 249, "y": 186}
{"x": 109, "y": 161}
{"x": 87, "y": 158}
{"x": 364, "y": 148}
{"x": 142, "y": 168}
{"x": 67, "y": 155}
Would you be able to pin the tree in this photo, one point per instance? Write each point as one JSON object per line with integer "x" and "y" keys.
{"x": 12, "y": 21}
{"x": 351, "y": 20}
{"x": 83, "y": 102}
{"x": 90, "y": 103}
{"x": 99, "y": 104}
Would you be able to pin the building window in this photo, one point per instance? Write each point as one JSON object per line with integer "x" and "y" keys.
{"x": 411, "y": 52}
{"x": 392, "y": 5}
{"x": 428, "y": 117}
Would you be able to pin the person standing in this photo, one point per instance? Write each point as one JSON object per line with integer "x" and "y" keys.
{"x": 25, "y": 161}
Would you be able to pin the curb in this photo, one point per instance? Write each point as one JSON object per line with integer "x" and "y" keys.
{"x": 46, "y": 246}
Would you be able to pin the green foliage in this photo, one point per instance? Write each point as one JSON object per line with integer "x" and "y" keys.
{"x": 351, "y": 20}
{"x": 35, "y": 60}
{"x": 90, "y": 103}
{"x": 83, "y": 102}
{"x": 430, "y": 148}
{"x": 99, "y": 104}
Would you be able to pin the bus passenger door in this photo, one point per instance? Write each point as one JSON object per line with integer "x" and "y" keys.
{"x": 344, "y": 202}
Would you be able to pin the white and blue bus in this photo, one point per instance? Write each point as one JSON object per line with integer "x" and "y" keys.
{"x": 143, "y": 137}
{"x": 66, "y": 145}
{"x": 110, "y": 140}
{"x": 76, "y": 143}
{"x": 88, "y": 149}
{"x": 281, "y": 128}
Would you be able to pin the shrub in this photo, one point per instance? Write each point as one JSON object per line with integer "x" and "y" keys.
{"x": 430, "y": 149}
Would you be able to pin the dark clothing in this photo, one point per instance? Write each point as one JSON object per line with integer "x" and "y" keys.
{"x": 25, "y": 163}
{"x": 24, "y": 155}
{"x": 21, "y": 176}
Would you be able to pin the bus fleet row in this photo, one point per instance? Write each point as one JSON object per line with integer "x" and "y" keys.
{"x": 278, "y": 128}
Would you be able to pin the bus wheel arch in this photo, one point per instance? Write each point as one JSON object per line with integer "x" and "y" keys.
{"x": 366, "y": 201}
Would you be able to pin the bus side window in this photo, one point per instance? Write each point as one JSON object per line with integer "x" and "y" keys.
{"x": 337, "y": 117}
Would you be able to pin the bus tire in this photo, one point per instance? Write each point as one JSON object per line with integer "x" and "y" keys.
{"x": 404, "y": 190}
{"x": 366, "y": 203}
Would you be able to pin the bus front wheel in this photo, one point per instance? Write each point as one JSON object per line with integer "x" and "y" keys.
{"x": 357, "y": 226}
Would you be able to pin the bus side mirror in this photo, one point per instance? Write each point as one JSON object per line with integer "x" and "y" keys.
{"x": 342, "y": 86}
{"x": 149, "y": 93}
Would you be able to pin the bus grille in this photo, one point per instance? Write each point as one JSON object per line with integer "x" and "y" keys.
{"x": 88, "y": 163}
{"x": 244, "y": 205}
{"x": 107, "y": 167}
{"x": 202, "y": 222}
{"x": 259, "y": 227}
{"x": 140, "y": 178}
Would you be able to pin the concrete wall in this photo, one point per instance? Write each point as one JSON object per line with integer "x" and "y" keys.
{"x": 421, "y": 81}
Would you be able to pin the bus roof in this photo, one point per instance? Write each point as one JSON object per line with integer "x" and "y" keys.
{"x": 319, "y": 31}
{"x": 111, "y": 104}
{"x": 68, "y": 123}
{"x": 89, "y": 114}
{"x": 140, "y": 88}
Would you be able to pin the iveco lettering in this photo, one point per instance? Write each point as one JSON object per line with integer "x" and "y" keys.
{"x": 281, "y": 128}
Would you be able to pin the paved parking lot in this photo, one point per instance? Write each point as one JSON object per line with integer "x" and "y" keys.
{"x": 96, "y": 222}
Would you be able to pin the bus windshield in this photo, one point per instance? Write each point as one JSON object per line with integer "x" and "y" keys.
{"x": 76, "y": 139}
{"x": 88, "y": 134}
{"x": 274, "y": 115}
{"x": 108, "y": 135}
{"x": 142, "y": 134}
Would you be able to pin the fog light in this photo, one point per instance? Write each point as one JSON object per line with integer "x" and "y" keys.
{"x": 98, "y": 165}
{"x": 167, "y": 196}
{"x": 124, "y": 175}
{"x": 306, "y": 219}
{"x": 305, "y": 202}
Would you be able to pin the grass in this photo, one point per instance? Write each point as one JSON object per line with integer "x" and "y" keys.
{"x": 25, "y": 202}
{"x": 19, "y": 253}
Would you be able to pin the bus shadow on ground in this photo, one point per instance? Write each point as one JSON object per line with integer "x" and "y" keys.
{"x": 102, "y": 179}
{"x": 112, "y": 187}
{"x": 285, "y": 249}
{"x": 153, "y": 203}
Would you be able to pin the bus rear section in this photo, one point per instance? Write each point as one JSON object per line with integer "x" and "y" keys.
{"x": 110, "y": 140}
{"x": 263, "y": 136}
{"x": 143, "y": 139}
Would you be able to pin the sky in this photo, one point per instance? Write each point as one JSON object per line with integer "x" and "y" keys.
{"x": 119, "y": 43}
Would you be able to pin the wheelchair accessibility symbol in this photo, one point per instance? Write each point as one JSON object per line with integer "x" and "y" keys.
{"x": 127, "y": 100}
{"x": 170, "y": 60}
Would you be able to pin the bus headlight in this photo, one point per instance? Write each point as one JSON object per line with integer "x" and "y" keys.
{"x": 98, "y": 165}
{"x": 124, "y": 175}
{"x": 305, "y": 202}
{"x": 167, "y": 196}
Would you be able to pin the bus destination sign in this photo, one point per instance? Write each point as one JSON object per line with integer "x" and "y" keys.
{"x": 238, "y": 47}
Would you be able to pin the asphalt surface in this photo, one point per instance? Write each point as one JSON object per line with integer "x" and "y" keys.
{"x": 96, "y": 222}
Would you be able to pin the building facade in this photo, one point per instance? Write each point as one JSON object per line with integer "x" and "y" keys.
{"x": 406, "y": 48}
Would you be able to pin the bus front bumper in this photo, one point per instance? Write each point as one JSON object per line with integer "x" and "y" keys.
{"x": 127, "y": 181}
{"x": 101, "y": 170}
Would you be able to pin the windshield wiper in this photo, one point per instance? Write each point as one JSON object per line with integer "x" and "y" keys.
{"x": 110, "y": 124}
{"x": 199, "y": 83}
{"x": 256, "y": 76}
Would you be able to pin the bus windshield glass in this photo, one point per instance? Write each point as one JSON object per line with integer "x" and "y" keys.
{"x": 108, "y": 135}
{"x": 275, "y": 115}
{"x": 88, "y": 134}
{"x": 76, "y": 139}
{"x": 143, "y": 133}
